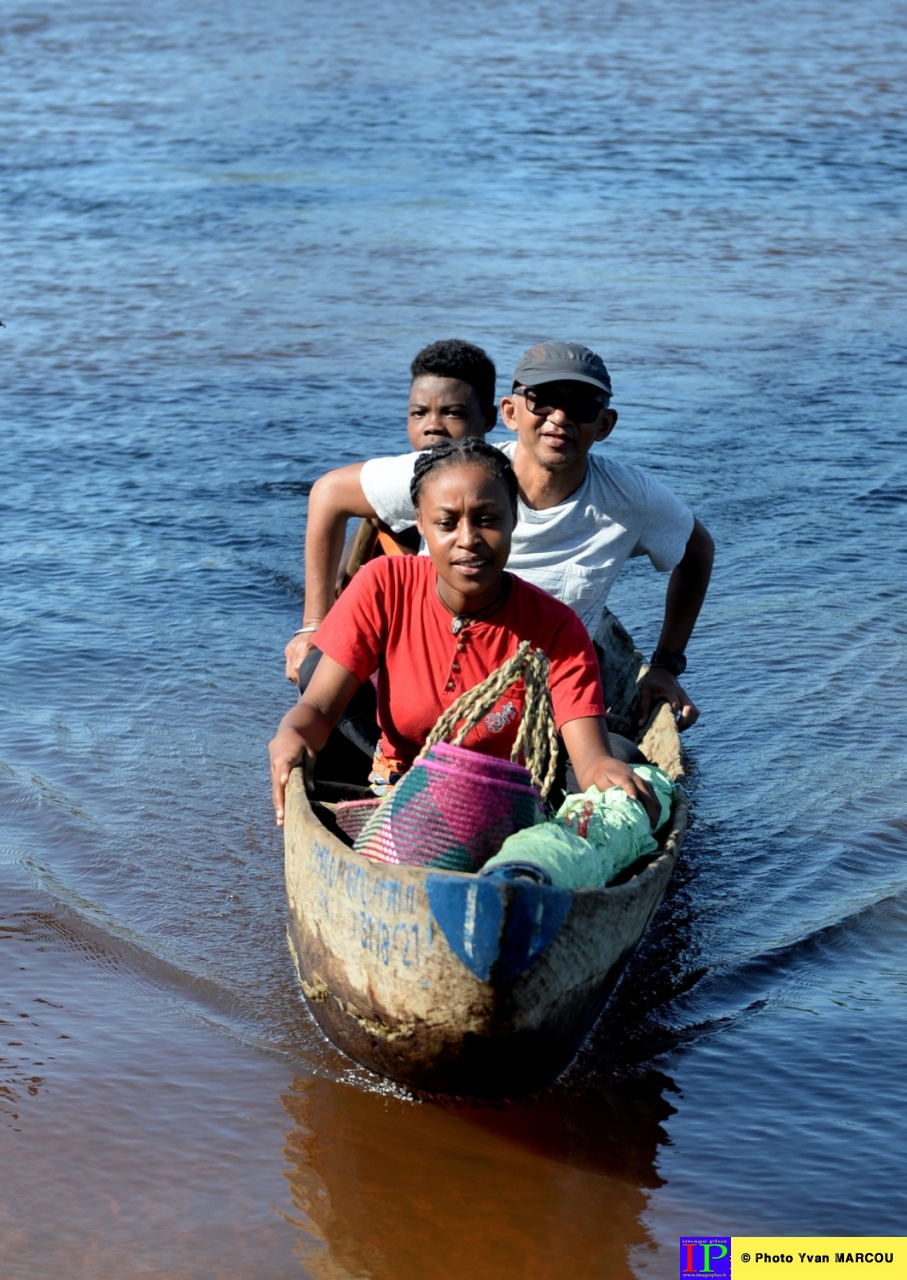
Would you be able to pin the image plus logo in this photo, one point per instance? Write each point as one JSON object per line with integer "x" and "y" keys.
{"x": 705, "y": 1257}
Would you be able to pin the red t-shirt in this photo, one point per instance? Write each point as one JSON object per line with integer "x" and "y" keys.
{"x": 390, "y": 619}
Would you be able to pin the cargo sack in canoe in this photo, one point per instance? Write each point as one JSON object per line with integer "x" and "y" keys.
{"x": 456, "y": 807}
{"x": 592, "y": 838}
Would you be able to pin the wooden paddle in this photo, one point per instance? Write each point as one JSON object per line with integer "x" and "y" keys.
{"x": 373, "y": 538}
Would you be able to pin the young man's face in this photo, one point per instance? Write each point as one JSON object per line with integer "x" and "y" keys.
{"x": 444, "y": 409}
{"x": 558, "y": 422}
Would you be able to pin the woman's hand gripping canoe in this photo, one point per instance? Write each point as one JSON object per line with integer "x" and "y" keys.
{"x": 305, "y": 728}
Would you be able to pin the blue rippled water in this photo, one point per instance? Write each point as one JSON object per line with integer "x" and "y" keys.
{"x": 226, "y": 231}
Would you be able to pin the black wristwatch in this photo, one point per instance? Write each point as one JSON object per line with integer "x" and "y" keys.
{"x": 676, "y": 663}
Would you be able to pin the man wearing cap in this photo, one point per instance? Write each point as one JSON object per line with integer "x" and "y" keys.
{"x": 581, "y": 515}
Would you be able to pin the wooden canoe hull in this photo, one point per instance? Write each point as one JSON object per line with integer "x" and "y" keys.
{"x": 457, "y": 983}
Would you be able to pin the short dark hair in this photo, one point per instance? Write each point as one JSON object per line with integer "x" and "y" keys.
{"x": 452, "y": 453}
{"x": 454, "y": 358}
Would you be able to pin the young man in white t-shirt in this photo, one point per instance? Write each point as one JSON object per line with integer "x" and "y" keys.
{"x": 581, "y": 516}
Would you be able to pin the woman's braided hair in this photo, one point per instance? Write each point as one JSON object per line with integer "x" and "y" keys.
{"x": 472, "y": 451}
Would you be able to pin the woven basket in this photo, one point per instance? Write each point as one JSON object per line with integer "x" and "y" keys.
{"x": 452, "y": 810}
{"x": 352, "y": 815}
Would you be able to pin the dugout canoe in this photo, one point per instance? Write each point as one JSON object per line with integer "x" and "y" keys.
{"x": 461, "y": 984}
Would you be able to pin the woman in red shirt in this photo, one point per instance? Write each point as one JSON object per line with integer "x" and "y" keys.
{"x": 433, "y": 627}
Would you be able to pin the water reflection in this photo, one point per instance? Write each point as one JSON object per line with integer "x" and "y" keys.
{"x": 548, "y": 1187}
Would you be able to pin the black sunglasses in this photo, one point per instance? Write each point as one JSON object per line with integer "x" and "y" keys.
{"x": 579, "y": 406}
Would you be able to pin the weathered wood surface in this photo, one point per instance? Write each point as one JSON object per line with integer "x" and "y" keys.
{"x": 464, "y": 984}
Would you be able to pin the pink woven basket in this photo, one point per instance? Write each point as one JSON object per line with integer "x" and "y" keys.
{"x": 452, "y": 810}
{"x": 352, "y": 815}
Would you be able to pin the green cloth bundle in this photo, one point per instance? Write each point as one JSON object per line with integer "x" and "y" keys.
{"x": 592, "y": 837}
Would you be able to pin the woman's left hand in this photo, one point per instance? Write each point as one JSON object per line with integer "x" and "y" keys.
{"x": 587, "y": 744}
{"x": 614, "y": 773}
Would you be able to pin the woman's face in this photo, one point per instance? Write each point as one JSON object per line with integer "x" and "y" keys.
{"x": 465, "y": 517}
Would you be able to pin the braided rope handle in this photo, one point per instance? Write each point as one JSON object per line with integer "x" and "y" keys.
{"x": 537, "y": 735}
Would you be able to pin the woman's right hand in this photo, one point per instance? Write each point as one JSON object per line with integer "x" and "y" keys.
{"x": 287, "y": 749}
{"x": 304, "y": 729}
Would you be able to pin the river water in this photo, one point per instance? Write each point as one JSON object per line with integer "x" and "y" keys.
{"x": 226, "y": 230}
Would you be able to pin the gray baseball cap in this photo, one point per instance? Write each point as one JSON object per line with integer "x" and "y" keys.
{"x": 561, "y": 362}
